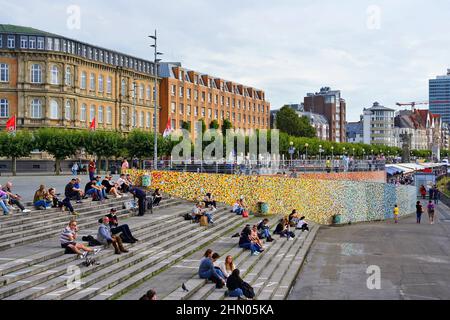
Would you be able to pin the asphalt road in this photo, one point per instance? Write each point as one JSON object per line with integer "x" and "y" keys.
{"x": 413, "y": 261}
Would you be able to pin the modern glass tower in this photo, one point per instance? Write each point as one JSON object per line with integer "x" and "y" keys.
{"x": 439, "y": 96}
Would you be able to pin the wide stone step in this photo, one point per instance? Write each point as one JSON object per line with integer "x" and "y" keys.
{"x": 54, "y": 280}
{"x": 37, "y": 266}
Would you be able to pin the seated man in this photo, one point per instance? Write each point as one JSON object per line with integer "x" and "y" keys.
{"x": 14, "y": 199}
{"x": 209, "y": 200}
{"x": 110, "y": 187}
{"x": 157, "y": 197}
{"x": 91, "y": 189}
{"x": 68, "y": 241}
{"x": 57, "y": 203}
{"x": 209, "y": 214}
{"x": 72, "y": 191}
{"x": 302, "y": 225}
{"x": 264, "y": 229}
{"x": 127, "y": 236}
{"x": 104, "y": 236}
{"x": 124, "y": 186}
{"x": 198, "y": 212}
{"x": 101, "y": 187}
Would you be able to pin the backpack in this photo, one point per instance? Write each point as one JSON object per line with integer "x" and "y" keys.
{"x": 187, "y": 217}
{"x": 247, "y": 290}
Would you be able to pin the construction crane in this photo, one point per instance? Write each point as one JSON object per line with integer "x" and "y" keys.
{"x": 412, "y": 104}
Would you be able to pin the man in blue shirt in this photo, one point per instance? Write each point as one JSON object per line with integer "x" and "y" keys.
{"x": 140, "y": 195}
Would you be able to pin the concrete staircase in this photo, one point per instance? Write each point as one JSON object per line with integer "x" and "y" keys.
{"x": 33, "y": 266}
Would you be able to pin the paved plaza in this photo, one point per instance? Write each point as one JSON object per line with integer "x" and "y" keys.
{"x": 414, "y": 261}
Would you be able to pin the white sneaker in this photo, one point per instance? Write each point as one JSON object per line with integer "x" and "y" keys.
{"x": 96, "y": 251}
{"x": 119, "y": 197}
{"x": 26, "y": 211}
{"x": 256, "y": 253}
{"x": 83, "y": 255}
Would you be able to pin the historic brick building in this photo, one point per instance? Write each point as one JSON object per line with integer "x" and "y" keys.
{"x": 50, "y": 80}
{"x": 188, "y": 96}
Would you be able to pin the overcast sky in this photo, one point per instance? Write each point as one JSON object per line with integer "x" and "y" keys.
{"x": 370, "y": 50}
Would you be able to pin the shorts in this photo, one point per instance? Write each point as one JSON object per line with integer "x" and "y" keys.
{"x": 66, "y": 245}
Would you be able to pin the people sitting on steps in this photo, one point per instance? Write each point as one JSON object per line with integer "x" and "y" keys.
{"x": 209, "y": 200}
{"x": 293, "y": 218}
{"x": 227, "y": 266}
{"x": 255, "y": 237}
{"x": 302, "y": 225}
{"x": 68, "y": 240}
{"x": 283, "y": 229}
{"x": 72, "y": 191}
{"x": 246, "y": 242}
{"x": 13, "y": 199}
{"x": 215, "y": 257}
{"x": 198, "y": 211}
{"x": 238, "y": 288}
{"x": 208, "y": 272}
{"x": 4, "y": 202}
{"x": 238, "y": 208}
{"x": 264, "y": 229}
{"x": 41, "y": 199}
{"x": 209, "y": 214}
{"x": 105, "y": 237}
{"x": 149, "y": 295}
{"x": 124, "y": 185}
{"x": 57, "y": 203}
{"x": 96, "y": 192}
{"x": 157, "y": 197}
{"x": 123, "y": 230}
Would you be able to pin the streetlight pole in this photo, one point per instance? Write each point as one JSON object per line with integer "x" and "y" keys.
{"x": 155, "y": 97}
{"x": 306, "y": 151}
{"x": 332, "y": 153}
{"x": 320, "y": 153}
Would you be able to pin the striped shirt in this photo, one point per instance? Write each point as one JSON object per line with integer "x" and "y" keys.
{"x": 67, "y": 236}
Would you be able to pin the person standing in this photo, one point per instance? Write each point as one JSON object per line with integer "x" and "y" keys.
{"x": 431, "y": 193}
{"x": 419, "y": 211}
{"x": 396, "y": 212}
{"x": 75, "y": 169}
{"x": 92, "y": 168}
{"x": 436, "y": 195}
{"x": 430, "y": 208}
{"x": 125, "y": 165}
{"x": 423, "y": 191}
{"x": 140, "y": 195}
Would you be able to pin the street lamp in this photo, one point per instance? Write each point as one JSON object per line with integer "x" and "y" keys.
{"x": 320, "y": 153}
{"x": 291, "y": 150}
{"x": 332, "y": 152}
{"x": 343, "y": 150}
{"x": 306, "y": 151}
{"x": 353, "y": 152}
{"x": 155, "y": 97}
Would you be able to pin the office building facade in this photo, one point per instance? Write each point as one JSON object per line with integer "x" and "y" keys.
{"x": 439, "y": 96}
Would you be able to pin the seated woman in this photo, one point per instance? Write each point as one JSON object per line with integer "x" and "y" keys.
{"x": 209, "y": 200}
{"x": 157, "y": 197}
{"x": 293, "y": 218}
{"x": 208, "y": 272}
{"x": 227, "y": 267}
{"x": 255, "y": 237}
{"x": 283, "y": 229}
{"x": 237, "y": 208}
{"x": 110, "y": 187}
{"x": 127, "y": 236}
{"x": 238, "y": 288}
{"x": 214, "y": 258}
{"x": 209, "y": 214}
{"x": 198, "y": 212}
{"x": 302, "y": 225}
{"x": 264, "y": 228}
{"x": 41, "y": 200}
{"x": 246, "y": 242}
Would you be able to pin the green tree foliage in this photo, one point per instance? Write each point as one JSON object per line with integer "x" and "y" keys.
{"x": 214, "y": 125}
{"x": 225, "y": 126}
{"x": 104, "y": 144}
{"x": 16, "y": 146}
{"x": 186, "y": 125}
{"x": 60, "y": 143}
{"x": 289, "y": 122}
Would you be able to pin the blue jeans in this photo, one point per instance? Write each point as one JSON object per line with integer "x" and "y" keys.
{"x": 42, "y": 203}
{"x": 239, "y": 211}
{"x": 236, "y": 293}
{"x": 220, "y": 273}
{"x": 250, "y": 246}
{"x": 97, "y": 192}
{"x": 266, "y": 233}
{"x": 210, "y": 218}
{"x": 4, "y": 207}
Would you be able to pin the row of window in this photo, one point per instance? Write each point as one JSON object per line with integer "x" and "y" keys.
{"x": 101, "y": 114}
{"x": 75, "y": 48}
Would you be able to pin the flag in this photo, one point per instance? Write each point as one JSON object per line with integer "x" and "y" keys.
{"x": 169, "y": 128}
{"x": 11, "y": 125}
{"x": 93, "y": 126}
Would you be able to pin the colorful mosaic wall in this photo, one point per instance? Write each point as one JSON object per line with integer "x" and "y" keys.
{"x": 373, "y": 176}
{"x": 318, "y": 200}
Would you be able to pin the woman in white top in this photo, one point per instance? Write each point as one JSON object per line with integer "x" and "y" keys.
{"x": 227, "y": 267}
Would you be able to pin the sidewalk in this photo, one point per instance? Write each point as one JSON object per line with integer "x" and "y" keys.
{"x": 414, "y": 261}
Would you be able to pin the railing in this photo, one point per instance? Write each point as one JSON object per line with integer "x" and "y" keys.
{"x": 270, "y": 167}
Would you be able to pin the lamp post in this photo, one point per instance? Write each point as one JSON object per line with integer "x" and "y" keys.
{"x": 291, "y": 150}
{"x": 306, "y": 151}
{"x": 320, "y": 153}
{"x": 155, "y": 97}
{"x": 353, "y": 152}
{"x": 332, "y": 152}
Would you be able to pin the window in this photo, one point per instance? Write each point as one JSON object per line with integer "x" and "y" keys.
{"x": 92, "y": 82}
{"x": 1, "y": 41}
{"x": 91, "y": 113}
{"x": 181, "y": 108}
{"x": 109, "y": 85}
{"x": 209, "y": 113}
{"x": 83, "y": 80}
{"x": 133, "y": 119}
{"x": 36, "y": 73}
{"x": 68, "y": 77}
{"x": 100, "y": 83}
{"x": 209, "y": 97}
{"x": 109, "y": 115}
{"x": 11, "y": 42}
{"x": 56, "y": 44}
{"x": 141, "y": 119}
{"x": 23, "y": 42}
{"x": 4, "y": 108}
{"x": 123, "y": 117}
{"x": 173, "y": 107}
{"x": 149, "y": 93}
{"x": 195, "y": 95}
{"x": 181, "y": 92}
{"x": 83, "y": 112}
{"x": 68, "y": 111}
{"x": 36, "y": 109}
{"x": 32, "y": 42}
{"x": 4, "y": 72}
{"x": 174, "y": 90}
{"x": 141, "y": 92}
{"x": 189, "y": 91}
{"x": 148, "y": 124}
{"x": 40, "y": 43}
{"x": 124, "y": 88}
{"x": 100, "y": 114}
{"x": 196, "y": 112}
{"x": 54, "y": 79}
{"x": 54, "y": 110}
{"x": 203, "y": 112}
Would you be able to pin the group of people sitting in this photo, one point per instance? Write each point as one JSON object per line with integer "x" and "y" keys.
{"x": 239, "y": 207}
{"x": 205, "y": 208}
{"x": 224, "y": 274}
{"x": 110, "y": 232}
{"x": 8, "y": 199}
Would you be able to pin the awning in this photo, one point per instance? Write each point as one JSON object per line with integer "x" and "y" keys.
{"x": 398, "y": 169}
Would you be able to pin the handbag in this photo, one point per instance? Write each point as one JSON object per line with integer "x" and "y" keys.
{"x": 204, "y": 221}
{"x": 247, "y": 290}
{"x": 245, "y": 214}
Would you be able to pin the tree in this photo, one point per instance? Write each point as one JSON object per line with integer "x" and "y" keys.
{"x": 105, "y": 144}
{"x": 186, "y": 125}
{"x": 288, "y": 121}
{"x": 16, "y": 146}
{"x": 60, "y": 143}
{"x": 140, "y": 144}
{"x": 226, "y": 125}
{"x": 214, "y": 125}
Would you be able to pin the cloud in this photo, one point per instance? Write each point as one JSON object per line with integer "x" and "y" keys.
{"x": 287, "y": 48}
